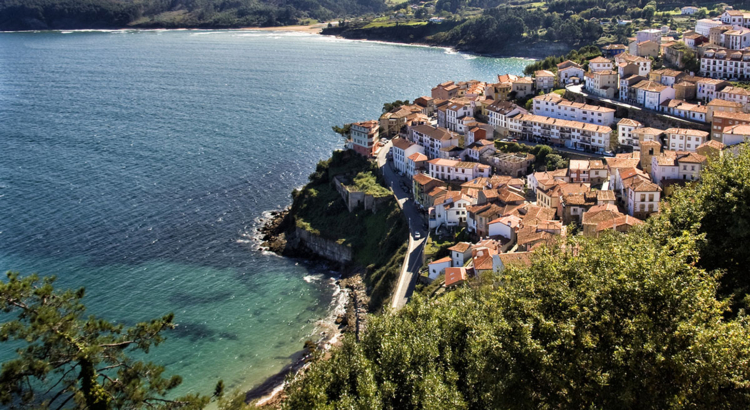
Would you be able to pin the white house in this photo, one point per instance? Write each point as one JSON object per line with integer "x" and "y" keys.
{"x": 736, "y": 39}
{"x": 475, "y": 151}
{"x": 726, "y": 64}
{"x": 704, "y": 26}
{"x": 401, "y": 150}
{"x": 735, "y": 18}
{"x": 460, "y": 254}
{"x": 600, "y": 64}
{"x": 450, "y": 210}
{"x": 555, "y": 106}
{"x": 682, "y": 109}
{"x": 498, "y": 113}
{"x": 569, "y": 72}
{"x": 625, "y": 129}
{"x": 544, "y": 80}
{"x": 643, "y": 63}
{"x": 651, "y": 94}
{"x": 642, "y": 196}
{"x": 454, "y": 112}
{"x": 432, "y": 139}
{"x": 734, "y": 94}
{"x": 574, "y": 134}
{"x": 505, "y": 226}
{"x": 674, "y": 165}
{"x": 452, "y": 170}
{"x": 708, "y": 87}
{"x": 364, "y": 136}
{"x": 438, "y": 267}
{"x": 414, "y": 163}
{"x": 685, "y": 139}
{"x": 735, "y": 134}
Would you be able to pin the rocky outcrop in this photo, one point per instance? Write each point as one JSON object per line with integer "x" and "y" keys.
{"x": 279, "y": 235}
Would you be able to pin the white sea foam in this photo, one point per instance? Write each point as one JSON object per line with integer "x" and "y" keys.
{"x": 313, "y": 278}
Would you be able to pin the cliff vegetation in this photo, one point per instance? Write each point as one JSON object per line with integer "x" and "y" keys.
{"x": 377, "y": 239}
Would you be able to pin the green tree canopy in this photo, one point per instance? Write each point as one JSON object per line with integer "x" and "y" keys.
{"x": 619, "y": 322}
{"x": 555, "y": 161}
{"x": 68, "y": 360}
{"x": 719, "y": 209}
{"x": 343, "y": 131}
{"x": 387, "y": 107}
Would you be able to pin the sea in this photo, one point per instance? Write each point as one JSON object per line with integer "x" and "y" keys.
{"x": 139, "y": 163}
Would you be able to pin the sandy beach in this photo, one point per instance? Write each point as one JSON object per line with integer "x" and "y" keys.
{"x": 312, "y": 28}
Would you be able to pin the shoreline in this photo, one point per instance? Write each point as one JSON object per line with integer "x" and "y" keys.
{"x": 329, "y": 331}
{"x": 313, "y": 29}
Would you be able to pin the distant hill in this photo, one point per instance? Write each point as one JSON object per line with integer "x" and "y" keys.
{"x": 82, "y": 14}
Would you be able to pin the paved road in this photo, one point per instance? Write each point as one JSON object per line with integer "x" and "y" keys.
{"x": 413, "y": 261}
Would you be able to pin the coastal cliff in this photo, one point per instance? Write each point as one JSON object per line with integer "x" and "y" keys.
{"x": 365, "y": 241}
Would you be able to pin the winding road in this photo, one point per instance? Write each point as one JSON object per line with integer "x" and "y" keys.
{"x": 413, "y": 261}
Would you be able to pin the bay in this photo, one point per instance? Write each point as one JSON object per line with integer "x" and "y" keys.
{"x": 138, "y": 163}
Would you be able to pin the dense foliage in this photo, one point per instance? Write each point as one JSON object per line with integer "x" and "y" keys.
{"x": 718, "y": 208}
{"x": 509, "y": 24}
{"x": 46, "y": 14}
{"x": 68, "y": 360}
{"x": 620, "y": 321}
{"x": 580, "y": 56}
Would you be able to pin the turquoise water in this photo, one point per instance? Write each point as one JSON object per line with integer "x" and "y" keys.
{"x": 137, "y": 164}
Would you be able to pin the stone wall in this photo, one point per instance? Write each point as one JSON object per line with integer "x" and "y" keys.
{"x": 354, "y": 199}
{"x": 322, "y": 247}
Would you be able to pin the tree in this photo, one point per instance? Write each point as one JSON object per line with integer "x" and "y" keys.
{"x": 648, "y": 13}
{"x": 718, "y": 208}
{"x": 541, "y": 152}
{"x": 343, "y": 131}
{"x": 65, "y": 358}
{"x": 555, "y": 161}
{"x": 388, "y": 107}
{"x": 622, "y": 321}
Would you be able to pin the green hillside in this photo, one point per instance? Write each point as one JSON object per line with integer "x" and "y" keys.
{"x": 81, "y": 14}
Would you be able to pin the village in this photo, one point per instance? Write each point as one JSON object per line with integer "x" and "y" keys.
{"x": 629, "y": 134}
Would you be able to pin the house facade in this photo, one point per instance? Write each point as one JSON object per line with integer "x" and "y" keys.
{"x": 432, "y": 139}
{"x": 573, "y": 134}
{"x": 651, "y": 94}
{"x": 452, "y": 170}
{"x": 401, "y": 150}
{"x": 685, "y": 139}
{"x": 555, "y": 106}
{"x": 364, "y": 137}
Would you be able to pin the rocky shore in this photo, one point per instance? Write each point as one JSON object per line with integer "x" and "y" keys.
{"x": 273, "y": 232}
{"x": 273, "y": 237}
